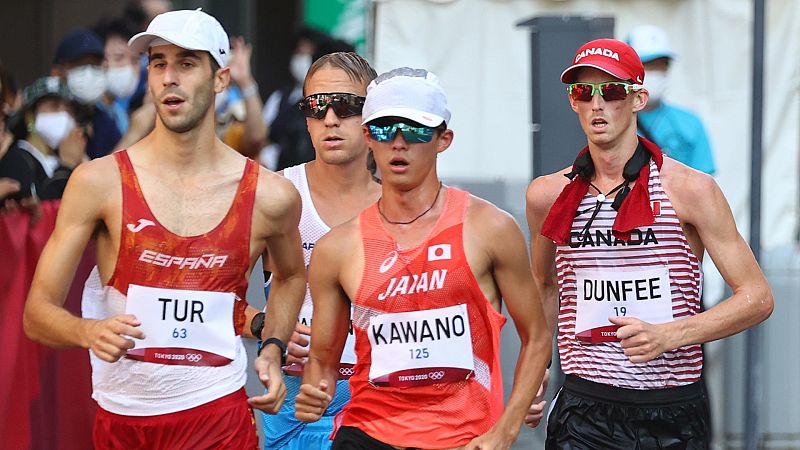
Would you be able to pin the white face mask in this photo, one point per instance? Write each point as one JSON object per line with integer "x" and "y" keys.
{"x": 122, "y": 81}
{"x": 299, "y": 66}
{"x": 53, "y": 127}
{"x": 86, "y": 83}
{"x": 656, "y": 82}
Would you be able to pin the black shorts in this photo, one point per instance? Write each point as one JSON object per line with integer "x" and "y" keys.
{"x": 351, "y": 438}
{"x": 589, "y": 416}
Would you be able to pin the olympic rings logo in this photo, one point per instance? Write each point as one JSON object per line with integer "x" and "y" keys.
{"x": 438, "y": 375}
{"x": 346, "y": 371}
{"x": 194, "y": 357}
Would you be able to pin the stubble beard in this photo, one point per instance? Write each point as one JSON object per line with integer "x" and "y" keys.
{"x": 202, "y": 100}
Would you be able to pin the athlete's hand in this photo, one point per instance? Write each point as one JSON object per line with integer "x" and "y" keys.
{"x": 109, "y": 339}
{"x": 311, "y": 402}
{"x": 641, "y": 341}
{"x": 495, "y": 439}
{"x": 298, "y": 345}
{"x": 536, "y": 411}
{"x": 269, "y": 372}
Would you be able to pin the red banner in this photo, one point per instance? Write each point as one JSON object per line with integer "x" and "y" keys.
{"x": 45, "y": 393}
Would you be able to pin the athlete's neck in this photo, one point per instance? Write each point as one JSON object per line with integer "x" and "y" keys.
{"x": 402, "y": 204}
{"x": 343, "y": 178}
{"x": 609, "y": 161}
{"x": 187, "y": 150}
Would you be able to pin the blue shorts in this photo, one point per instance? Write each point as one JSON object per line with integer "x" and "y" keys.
{"x": 283, "y": 431}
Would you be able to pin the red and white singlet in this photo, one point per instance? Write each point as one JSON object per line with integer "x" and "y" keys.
{"x": 655, "y": 277}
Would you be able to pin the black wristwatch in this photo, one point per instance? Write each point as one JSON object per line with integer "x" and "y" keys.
{"x": 278, "y": 343}
{"x": 257, "y": 324}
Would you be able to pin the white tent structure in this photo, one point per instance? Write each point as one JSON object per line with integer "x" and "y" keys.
{"x": 483, "y": 60}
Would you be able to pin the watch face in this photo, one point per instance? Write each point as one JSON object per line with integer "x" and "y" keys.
{"x": 257, "y": 325}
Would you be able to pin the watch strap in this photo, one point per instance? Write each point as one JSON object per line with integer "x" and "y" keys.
{"x": 278, "y": 343}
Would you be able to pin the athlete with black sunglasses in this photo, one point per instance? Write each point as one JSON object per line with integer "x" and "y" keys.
{"x": 617, "y": 242}
{"x": 333, "y": 188}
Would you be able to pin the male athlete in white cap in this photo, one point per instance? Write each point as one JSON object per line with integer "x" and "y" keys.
{"x": 179, "y": 219}
{"x": 425, "y": 269}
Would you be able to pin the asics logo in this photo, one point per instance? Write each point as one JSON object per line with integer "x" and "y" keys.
{"x": 388, "y": 262}
{"x": 143, "y": 223}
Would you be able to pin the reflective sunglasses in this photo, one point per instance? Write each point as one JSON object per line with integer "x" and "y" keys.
{"x": 344, "y": 105}
{"x": 610, "y": 91}
{"x": 411, "y": 134}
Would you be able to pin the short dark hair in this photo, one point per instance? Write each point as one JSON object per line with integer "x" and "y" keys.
{"x": 356, "y": 67}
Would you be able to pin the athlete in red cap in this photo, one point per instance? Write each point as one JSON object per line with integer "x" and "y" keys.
{"x": 617, "y": 242}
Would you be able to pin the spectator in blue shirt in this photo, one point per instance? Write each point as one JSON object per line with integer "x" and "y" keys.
{"x": 678, "y": 132}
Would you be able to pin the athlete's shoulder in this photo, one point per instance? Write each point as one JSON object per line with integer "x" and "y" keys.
{"x": 688, "y": 189}
{"x": 544, "y": 190}
{"x": 97, "y": 174}
{"x": 340, "y": 241}
{"x": 489, "y": 218}
{"x": 274, "y": 188}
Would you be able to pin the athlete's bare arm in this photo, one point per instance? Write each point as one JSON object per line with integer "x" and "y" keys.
{"x": 84, "y": 207}
{"x": 331, "y": 321}
{"x": 509, "y": 268}
{"x": 275, "y": 220}
{"x": 541, "y": 194}
{"x": 708, "y": 222}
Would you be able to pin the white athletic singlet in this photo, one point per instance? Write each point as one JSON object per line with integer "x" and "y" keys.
{"x": 603, "y": 272}
{"x": 312, "y": 228}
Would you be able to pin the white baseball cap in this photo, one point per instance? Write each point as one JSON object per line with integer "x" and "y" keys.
{"x": 189, "y": 29}
{"x": 650, "y": 42}
{"x": 413, "y": 94}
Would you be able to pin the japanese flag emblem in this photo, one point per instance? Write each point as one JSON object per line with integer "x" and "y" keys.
{"x": 439, "y": 252}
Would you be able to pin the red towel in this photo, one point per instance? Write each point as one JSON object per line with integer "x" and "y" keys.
{"x": 634, "y": 212}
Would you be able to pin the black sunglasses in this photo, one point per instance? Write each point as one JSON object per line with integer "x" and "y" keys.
{"x": 343, "y": 104}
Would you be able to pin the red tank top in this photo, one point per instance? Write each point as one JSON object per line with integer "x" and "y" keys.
{"x": 150, "y": 255}
{"x": 433, "y": 406}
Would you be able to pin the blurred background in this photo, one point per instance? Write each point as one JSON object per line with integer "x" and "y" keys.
{"x": 499, "y": 61}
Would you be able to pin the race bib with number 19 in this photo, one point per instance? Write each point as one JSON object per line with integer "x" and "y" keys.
{"x": 642, "y": 293}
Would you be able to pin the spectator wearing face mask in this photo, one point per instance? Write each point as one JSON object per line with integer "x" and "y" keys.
{"x": 679, "y": 132}
{"x": 49, "y": 141}
{"x": 79, "y": 62}
{"x": 125, "y": 87}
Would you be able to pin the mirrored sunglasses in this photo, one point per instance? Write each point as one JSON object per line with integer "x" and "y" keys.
{"x": 610, "y": 91}
{"x": 343, "y": 104}
{"x": 411, "y": 134}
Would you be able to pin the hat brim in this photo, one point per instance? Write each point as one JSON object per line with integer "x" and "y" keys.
{"x": 567, "y": 76}
{"x": 422, "y": 118}
{"x": 141, "y": 42}
{"x": 655, "y": 55}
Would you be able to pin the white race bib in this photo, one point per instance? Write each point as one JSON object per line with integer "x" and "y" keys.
{"x": 183, "y": 327}
{"x": 641, "y": 293}
{"x": 421, "y": 347}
